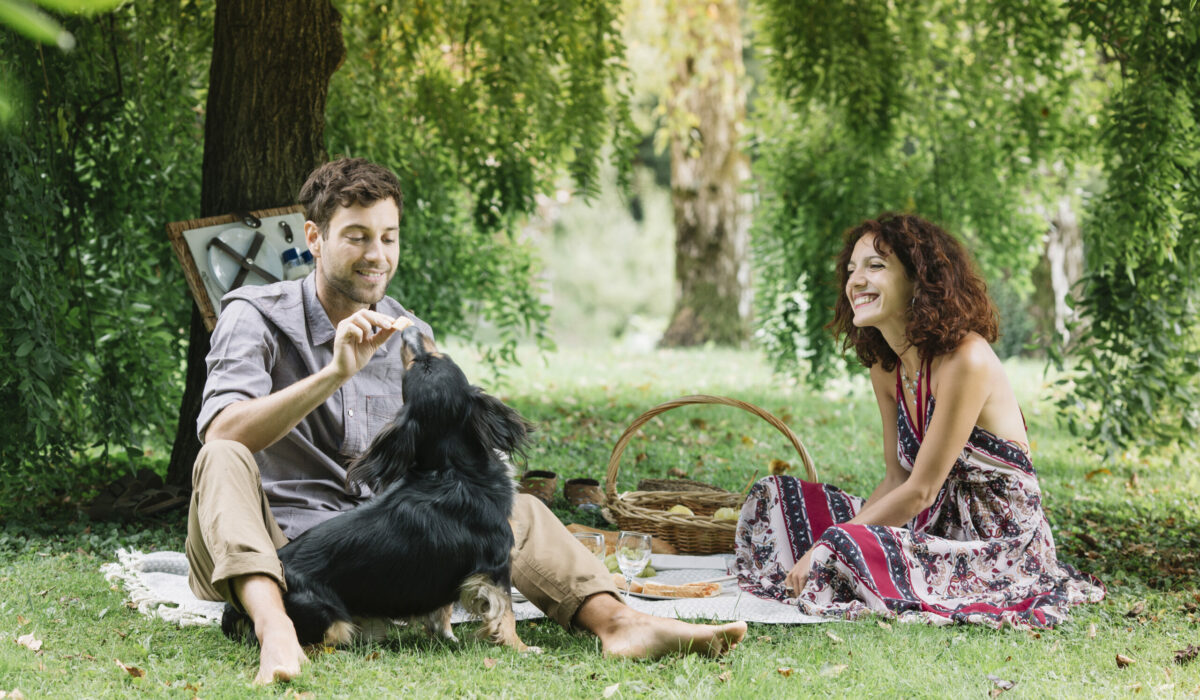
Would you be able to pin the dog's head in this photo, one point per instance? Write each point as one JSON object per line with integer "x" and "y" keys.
{"x": 445, "y": 421}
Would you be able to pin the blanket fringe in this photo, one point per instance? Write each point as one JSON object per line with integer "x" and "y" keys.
{"x": 131, "y": 569}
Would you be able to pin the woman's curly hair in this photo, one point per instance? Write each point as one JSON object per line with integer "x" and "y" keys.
{"x": 949, "y": 296}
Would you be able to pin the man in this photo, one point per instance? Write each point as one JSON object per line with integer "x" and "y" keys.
{"x": 302, "y": 374}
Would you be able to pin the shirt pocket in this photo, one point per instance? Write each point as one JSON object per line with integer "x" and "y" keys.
{"x": 381, "y": 411}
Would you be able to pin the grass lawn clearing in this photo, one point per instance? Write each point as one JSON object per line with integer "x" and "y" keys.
{"x": 1135, "y": 524}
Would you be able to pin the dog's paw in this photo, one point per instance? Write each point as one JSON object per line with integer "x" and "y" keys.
{"x": 531, "y": 650}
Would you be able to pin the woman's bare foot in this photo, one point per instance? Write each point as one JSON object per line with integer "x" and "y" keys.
{"x": 625, "y": 632}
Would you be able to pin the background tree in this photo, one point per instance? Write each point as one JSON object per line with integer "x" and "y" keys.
{"x": 263, "y": 133}
{"x": 701, "y": 110}
{"x": 478, "y": 109}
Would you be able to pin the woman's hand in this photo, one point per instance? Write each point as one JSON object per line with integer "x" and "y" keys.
{"x": 798, "y": 576}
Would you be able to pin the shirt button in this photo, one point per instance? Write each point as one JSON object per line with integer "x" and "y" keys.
{"x": 351, "y": 412}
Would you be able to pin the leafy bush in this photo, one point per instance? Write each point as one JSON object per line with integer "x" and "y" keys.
{"x": 94, "y": 166}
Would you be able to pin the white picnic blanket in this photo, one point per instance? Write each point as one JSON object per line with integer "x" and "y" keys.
{"x": 156, "y": 583}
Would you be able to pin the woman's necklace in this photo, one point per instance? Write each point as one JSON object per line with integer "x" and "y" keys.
{"x": 912, "y": 384}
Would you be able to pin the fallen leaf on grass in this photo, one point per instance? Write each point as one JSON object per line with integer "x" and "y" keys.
{"x": 131, "y": 670}
{"x": 677, "y": 473}
{"x": 836, "y": 639}
{"x": 30, "y": 642}
{"x": 764, "y": 638}
{"x": 297, "y": 695}
{"x": 1091, "y": 633}
{"x": 1087, "y": 539}
{"x": 778, "y": 467}
{"x": 1000, "y": 682}
{"x": 13, "y": 694}
{"x": 373, "y": 656}
{"x": 784, "y": 671}
{"x": 22, "y": 621}
{"x": 1137, "y": 609}
{"x": 725, "y": 676}
{"x": 1183, "y": 656}
{"x": 489, "y": 663}
{"x": 1096, "y": 472}
{"x": 832, "y": 670}
{"x": 883, "y": 624}
{"x": 1123, "y": 661}
{"x": 611, "y": 690}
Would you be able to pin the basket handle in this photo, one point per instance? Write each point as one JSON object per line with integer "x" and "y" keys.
{"x": 614, "y": 461}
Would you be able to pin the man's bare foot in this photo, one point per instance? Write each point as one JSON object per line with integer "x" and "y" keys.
{"x": 280, "y": 656}
{"x": 625, "y": 632}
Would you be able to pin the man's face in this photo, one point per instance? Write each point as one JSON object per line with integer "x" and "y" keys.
{"x": 356, "y": 258}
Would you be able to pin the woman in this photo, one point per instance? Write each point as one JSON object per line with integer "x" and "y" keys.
{"x": 955, "y": 530}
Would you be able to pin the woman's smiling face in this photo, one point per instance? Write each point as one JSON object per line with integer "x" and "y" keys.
{"x": 877, "y": 286}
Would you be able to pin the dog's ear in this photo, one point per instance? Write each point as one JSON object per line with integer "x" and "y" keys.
{"x": 498, "y": 426}
{"x": 391, "y": 454}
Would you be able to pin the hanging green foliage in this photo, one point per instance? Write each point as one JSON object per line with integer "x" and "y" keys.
{"x": 105, "y": 150}
{"x": 1139, "y": 354}
{"x": 966, "y": 113}
{"x": 479, "y": 107}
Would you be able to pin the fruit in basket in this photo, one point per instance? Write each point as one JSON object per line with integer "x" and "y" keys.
{"x": 680, "y": 509}
{"x": 725, "y": 514}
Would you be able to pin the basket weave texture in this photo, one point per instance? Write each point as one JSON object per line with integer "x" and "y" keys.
{"x": 645, "y": 511}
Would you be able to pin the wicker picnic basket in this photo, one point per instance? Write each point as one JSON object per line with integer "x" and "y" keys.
{"x": 645, "y": 511}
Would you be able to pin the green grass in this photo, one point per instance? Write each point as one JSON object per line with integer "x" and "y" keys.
{"x": 1140, "y": 535}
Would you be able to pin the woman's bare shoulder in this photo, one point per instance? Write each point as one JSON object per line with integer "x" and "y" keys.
{"x": 973, "y": 362}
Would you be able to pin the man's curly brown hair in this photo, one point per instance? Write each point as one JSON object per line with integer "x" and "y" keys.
{"x": 949, "y": 296}
{"x": 346, "y": 182}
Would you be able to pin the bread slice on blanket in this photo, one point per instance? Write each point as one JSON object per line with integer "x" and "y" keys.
{"x": 679, "y": 590}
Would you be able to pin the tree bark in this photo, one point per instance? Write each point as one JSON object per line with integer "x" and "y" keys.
{"x": 263, "y": 134}
{"x": 708, "y": 177}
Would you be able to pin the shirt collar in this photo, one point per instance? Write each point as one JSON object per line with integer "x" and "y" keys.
{"x": 320, "y": 328}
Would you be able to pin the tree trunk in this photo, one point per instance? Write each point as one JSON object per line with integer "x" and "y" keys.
{"x": 263, "y": 134}
{"x": 708, "y": 177}
{"x": 1057, "y": 273}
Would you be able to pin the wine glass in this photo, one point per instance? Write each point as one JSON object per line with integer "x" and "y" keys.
{"x": 633, "y": 553}
{"x": 594, "y": 542}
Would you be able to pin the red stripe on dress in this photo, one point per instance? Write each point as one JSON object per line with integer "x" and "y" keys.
{"x": 876, "y": 560}
{"x": 816, "y": 506}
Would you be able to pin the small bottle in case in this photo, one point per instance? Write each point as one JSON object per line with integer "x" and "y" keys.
{"x": 293, "y": 266}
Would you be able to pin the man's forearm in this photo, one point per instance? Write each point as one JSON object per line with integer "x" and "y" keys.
{"x": 261, "y": 422}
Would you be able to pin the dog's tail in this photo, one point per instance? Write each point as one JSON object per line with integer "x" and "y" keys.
{"x": 237, "y": 625}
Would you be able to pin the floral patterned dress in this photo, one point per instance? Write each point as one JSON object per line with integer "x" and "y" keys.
{"x": 982, "y": 553}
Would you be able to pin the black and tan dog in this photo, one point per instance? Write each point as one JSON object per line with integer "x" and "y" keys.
{"x": 436, "y": 531}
